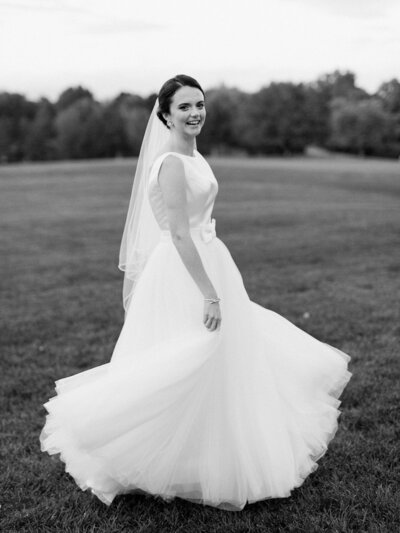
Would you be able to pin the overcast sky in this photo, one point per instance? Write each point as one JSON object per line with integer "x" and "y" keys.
{"x": 110, "y": 46}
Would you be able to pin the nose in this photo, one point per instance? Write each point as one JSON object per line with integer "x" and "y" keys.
{"x": 194, "y": 113}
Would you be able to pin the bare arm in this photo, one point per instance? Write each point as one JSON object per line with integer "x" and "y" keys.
{"x": 172, "y": 183}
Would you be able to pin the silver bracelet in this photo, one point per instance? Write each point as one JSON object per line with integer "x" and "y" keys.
{"x": 212, "y": 300}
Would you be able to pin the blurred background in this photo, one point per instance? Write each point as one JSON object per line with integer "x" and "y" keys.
{"x": 79, "y": 78}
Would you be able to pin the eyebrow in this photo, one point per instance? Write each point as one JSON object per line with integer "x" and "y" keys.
{"x": 187, "y": 103}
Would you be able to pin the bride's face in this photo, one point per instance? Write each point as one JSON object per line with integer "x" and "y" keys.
{"x": 187, "y": 111}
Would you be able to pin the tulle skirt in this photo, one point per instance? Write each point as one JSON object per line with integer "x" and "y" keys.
{"x": 219, "y": 418}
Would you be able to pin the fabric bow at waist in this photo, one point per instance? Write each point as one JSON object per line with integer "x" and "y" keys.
{"x": 207, "y": 231}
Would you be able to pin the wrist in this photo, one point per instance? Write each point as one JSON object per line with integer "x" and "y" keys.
{"x": 210, "y": 293}
{"x": 212, "y": 300}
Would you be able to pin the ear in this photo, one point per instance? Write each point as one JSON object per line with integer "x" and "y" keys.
{"x": 166, "y": 116}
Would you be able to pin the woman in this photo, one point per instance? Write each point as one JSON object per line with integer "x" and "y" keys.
{"x": 208, "y": 396}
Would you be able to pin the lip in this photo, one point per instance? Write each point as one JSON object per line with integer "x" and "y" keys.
{"x": 196, "y": 121}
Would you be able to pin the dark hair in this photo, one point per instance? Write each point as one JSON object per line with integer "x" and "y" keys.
{"x": 168, "y": 90}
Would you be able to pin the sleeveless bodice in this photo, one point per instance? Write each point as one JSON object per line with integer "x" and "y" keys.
{"x": 201, "y": 190}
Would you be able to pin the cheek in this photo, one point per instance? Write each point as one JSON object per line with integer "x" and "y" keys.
{"x": 183, "y": 117}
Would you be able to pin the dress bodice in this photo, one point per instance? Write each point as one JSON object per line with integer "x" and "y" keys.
{"x": 201, "y": 190}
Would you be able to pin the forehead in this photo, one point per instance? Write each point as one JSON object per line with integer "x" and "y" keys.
{"x": 187, "y": 95}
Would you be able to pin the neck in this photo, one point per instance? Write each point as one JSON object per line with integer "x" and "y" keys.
{"x": 182, "y": 145}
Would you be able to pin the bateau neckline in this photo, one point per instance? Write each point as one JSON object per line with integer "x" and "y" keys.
{"x": 184, "y": 155}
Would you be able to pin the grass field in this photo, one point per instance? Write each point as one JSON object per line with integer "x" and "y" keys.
{"x": 316, "y": 240}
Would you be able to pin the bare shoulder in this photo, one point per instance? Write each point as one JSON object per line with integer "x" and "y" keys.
{"x": 172, "y": 172}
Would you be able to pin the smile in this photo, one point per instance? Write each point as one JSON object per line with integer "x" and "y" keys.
{"x": 193, "y": 122}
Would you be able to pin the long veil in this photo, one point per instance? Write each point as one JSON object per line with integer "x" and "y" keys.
{"x": 141, "y": 232}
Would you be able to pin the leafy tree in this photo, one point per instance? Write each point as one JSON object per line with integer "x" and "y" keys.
{"x": 362, "y": 127}
{"x": 321, "y": 93}
{"x": 277, "y": 121}
{"x": 134, "y": 112}
{"x": 40, "y": 140}
{"x": 72, "y": 95}
{"x": 281, "y": 118}
{"x": 80, "y": 130}
{"x": 135, "y": 121}
{"x": 389, "y": 93}
{"x": 114, "y": 135}
{"x": 339, "y": 84}
{"x": 16, "y": 114}
{"x": 222, "y": 128}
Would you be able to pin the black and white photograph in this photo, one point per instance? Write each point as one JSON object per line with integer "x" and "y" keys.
{"x": 200, "y": 266}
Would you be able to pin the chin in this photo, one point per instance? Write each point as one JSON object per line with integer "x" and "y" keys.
{"x": 193, "y": 131}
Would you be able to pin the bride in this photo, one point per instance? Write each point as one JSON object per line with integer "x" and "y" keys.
{"x": 208, "y": 396}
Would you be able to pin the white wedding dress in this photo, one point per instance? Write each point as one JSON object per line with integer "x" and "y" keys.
{"x": 221, "y": 418}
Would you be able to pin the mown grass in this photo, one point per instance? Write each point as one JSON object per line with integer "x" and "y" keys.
{"x": 315, "y": 240}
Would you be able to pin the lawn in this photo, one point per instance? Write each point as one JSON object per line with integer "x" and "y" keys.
{"x": 317, "y": 240}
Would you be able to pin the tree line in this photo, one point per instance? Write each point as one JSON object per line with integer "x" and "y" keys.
{"x": 281, "y": 119}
